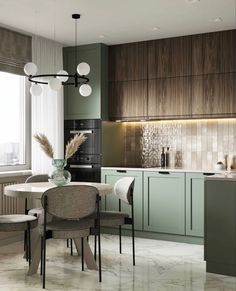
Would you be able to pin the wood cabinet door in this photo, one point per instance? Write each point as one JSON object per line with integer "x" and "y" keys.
{"x": 128, "y": 62}
{"x": 170, "y": 57}
{"x": 214, "y": 95}
{"x": 214, "y": 52}
{"x": 127, "y": 99}
{"x": 164, "y": 202}
{"x": 169, "y": 97}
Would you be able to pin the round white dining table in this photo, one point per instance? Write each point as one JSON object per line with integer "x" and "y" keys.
{"x": 35, "y": 191}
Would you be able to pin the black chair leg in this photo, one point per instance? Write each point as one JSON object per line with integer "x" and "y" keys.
{"x": 71, "y": 247}
{"x": 82, "y": 252}
{"x": 95, "y": 247}
{"x": 44, "y": 260}
{"x": 41, "y": 256}
{"x": 99, "y": 257}
{"x": 67, "y": 243}
{"x": 133, "y": 245}
{"x": 120, "y": 239}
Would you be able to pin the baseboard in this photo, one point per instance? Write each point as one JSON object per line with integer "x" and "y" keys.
{"x": 155, "y": 235}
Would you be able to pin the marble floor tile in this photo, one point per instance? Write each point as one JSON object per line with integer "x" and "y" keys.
{"x": 160, "y": 265}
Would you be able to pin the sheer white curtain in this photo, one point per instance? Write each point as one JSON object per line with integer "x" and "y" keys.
{"x": 47, "y": 109}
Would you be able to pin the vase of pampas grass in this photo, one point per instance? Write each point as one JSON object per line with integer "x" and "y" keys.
{"x": 60, "y": 176}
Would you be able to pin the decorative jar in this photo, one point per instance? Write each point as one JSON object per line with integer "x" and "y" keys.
{"x": 59, "y": 176}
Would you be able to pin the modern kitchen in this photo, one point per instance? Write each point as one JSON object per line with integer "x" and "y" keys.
{"x": 118, "y": 148}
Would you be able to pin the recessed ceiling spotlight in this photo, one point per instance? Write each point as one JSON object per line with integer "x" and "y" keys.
{"x": 155, "y": 28}
{"x": 192, "y": 1}
{"x": 101, "y": 36}
{"x": 217, "y": 19}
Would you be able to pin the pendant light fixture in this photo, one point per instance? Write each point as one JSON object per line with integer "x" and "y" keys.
{"x": 55, "y": 81}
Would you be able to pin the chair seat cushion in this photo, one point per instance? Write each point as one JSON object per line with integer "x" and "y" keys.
{"x": 112, "y": 218}
{"x": 69, "y": 228}
{"x": 36, "y": 211}
{"x": 16, "y": 222}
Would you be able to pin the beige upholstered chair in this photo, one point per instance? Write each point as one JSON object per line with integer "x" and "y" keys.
{"x": 70, "y": 205}
{"x": 34, "y": 179}
{"x": 123, "y": 189}
{"x": 19, "y": 222}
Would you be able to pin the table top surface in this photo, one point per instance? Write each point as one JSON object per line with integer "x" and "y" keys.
{"x": 36, "y": 190}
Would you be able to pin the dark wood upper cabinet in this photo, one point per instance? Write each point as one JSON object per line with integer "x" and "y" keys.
{"x": 169, "y": 97}
{"x": 214, "y": 95}
{"x": 128, "y": 62}
{"x": 170, "y": 57}
{"x": 128, "y": 99}
{"x": 214, "y": 53}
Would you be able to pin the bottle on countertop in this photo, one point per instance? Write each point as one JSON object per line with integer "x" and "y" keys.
{"x": 163, "y": 158}
{"x": 167, "y": 164}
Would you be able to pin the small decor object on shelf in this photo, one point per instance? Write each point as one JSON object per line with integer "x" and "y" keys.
{"x": 60, "y": 176}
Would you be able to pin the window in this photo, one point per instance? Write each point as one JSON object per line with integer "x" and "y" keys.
{"x": 14, "y": 123}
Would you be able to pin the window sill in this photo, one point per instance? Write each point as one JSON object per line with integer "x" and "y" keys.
{"x": 15, "y": 173}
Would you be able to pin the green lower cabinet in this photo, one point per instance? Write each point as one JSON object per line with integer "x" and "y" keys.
{"x": 164, "y": 202}
{"x": 195, "y": 204}
{"x": 110, "y": 202}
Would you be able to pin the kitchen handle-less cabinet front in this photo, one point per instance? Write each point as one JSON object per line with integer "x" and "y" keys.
{"x": 169, "y": 97}
{"x": 214, "y": 52}
{"x": 213, "y": 95}
{"x": 95, "y": 105}
{"x": 195, "y": 204}
{"x": 128, "y": 99}
{"x": 128, "y": 62}
{"x": 164, "y": 202}
{"x": 111, "y": 202}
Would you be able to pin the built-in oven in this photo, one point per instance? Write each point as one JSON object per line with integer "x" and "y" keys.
{"x": 85, "y": 164}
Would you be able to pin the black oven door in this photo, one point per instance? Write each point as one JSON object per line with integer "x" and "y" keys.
{"x": 92, "y": 144}
{"x": 85, "y": 173}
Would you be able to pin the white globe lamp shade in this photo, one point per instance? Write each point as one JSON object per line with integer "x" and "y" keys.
{"x": 54, "y": 84}
{"x": 64, "y": 78}
{"x": 85, "y": 90}
{"x": 36, "y": 90}
{"x": 83, "y": 69}
{"x": 30, "y": 69}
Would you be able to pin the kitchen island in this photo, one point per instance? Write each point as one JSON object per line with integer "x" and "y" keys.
{"x": 220, "y": 224}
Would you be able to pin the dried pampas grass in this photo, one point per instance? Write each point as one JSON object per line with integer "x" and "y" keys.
{"x": 44, "y": 144}
{"x": 73, "y": 145}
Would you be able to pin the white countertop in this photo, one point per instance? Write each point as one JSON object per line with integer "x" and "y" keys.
{"x": 231, "y": 176}
{"x": 158, "y": 169}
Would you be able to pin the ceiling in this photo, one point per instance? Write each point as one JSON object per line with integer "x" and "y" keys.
{"x": 116, "y": 21}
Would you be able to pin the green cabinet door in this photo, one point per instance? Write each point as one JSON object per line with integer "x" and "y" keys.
{"x": 93, "y": 106}
{"x": 110, "y": 202}
{"x": 195, "y": 204}
{"x": 164, "y": 202}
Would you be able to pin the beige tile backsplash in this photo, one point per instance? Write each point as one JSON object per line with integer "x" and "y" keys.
{"x": 195, "y": 144}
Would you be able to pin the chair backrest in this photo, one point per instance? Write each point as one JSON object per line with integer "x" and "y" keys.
{"x": 123, "y": 189}
{"x": 37, "y": 178}
{"x": 70, "y": 202}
